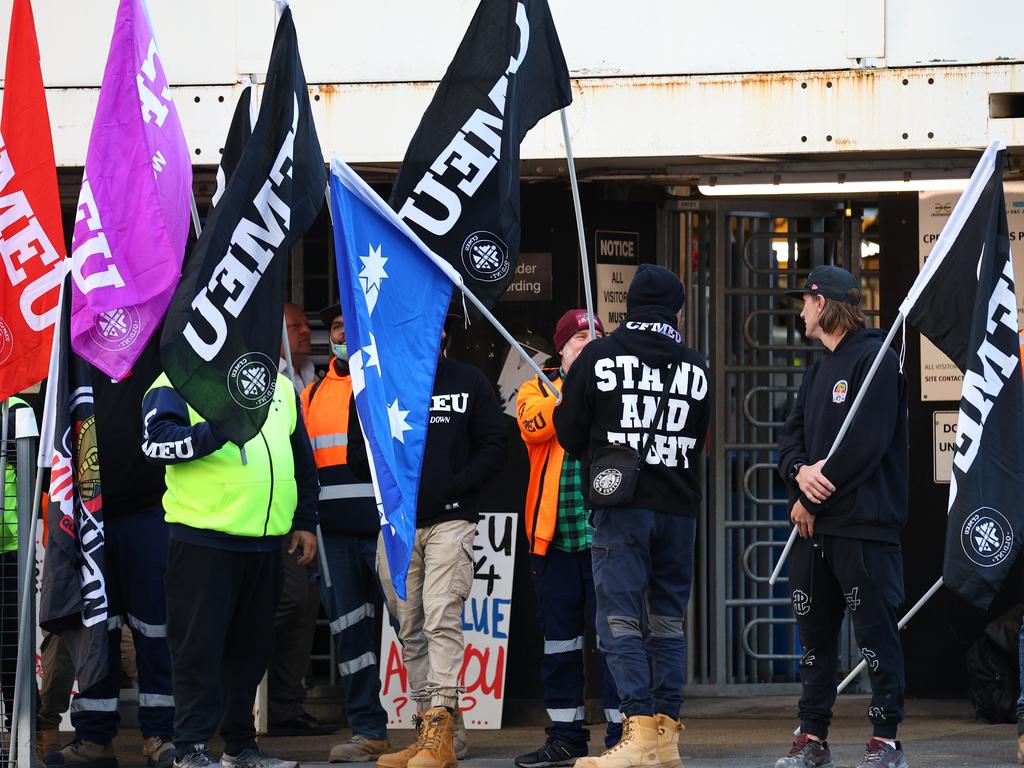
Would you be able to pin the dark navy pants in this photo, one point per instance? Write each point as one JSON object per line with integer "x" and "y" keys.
{"x": 135, "y": 555}
{"x": 643, "y": 572}
{"x": 564, "y": 584}
{"x": 352, "y": 603}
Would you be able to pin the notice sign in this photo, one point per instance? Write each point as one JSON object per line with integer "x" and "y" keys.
{"x": 532, "y": 281}
{"x": 485, "y": 621}
{"x": 940, "y": 378}
{"x": 944, "y": 441}
{"x": 616, "y": 255}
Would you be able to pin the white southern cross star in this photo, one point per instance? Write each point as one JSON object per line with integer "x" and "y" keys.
{"x": 398, "y": 424}
{"x": 372, "y": 361}
{"x": 372, "y": 275}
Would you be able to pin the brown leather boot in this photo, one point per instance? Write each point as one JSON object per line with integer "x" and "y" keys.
{"x": 638, "y": 747}
{"x": 668, "y": 741}
{"x": 438, "y": 748}
{"x": 401, "y": 758}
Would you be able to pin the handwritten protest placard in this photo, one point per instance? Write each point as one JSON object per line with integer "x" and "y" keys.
{"x": 485, "y": 622}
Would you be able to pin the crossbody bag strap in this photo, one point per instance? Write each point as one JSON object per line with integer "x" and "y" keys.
{"x": 659, "y": 414}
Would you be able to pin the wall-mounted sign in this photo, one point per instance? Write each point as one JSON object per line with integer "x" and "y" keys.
{"x": 616, "y": 256}
{"x": 532, "y": 280}
{"x": 944, "y": 442}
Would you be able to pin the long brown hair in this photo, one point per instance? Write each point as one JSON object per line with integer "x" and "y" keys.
{"x": 842, "y": 317}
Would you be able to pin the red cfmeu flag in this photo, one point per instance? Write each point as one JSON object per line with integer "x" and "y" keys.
{"x": 31, "y": 237}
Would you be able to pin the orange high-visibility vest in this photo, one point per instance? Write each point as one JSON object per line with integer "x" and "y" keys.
{"x": 325, "y": 410}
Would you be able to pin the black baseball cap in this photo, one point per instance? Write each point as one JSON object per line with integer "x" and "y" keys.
{"x": 327, "y": 314}
{"x": 832, "y": 283}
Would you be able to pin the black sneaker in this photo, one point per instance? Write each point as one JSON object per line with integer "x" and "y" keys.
{"x": 255, "y": 758}
{"x": 806, "y": 753}
{"x": 197, "y": 757}
{"x": 882, "y": 754}
{"x": 554, "y": 752}
{"x": 303, "y": 725}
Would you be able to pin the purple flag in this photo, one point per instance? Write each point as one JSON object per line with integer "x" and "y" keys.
{"x": 133, "y": 210}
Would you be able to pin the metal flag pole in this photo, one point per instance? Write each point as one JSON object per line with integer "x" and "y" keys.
{"x": 902, "y": 623}
{"x": 587, "y": 295}
{"x": 843, "y": 429}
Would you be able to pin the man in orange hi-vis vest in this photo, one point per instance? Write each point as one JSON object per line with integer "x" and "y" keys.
{"x": 348, "y": 518}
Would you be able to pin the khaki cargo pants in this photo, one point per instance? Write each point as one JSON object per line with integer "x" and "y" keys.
{"x": 438, "y": 583}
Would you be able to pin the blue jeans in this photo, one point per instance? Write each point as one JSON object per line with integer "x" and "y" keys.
{"x": 564, "y": 584}
{"x": 352, "y": 603}
{"x": 1020, "y": 701}
{"x": 643, "y": 572}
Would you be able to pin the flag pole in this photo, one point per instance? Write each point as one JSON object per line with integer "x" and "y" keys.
{"x": 587, "y": 295}
{"x": 843, "y": 430}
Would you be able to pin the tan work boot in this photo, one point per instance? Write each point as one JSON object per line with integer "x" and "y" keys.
{"x": 84, "y": 753}
{"x": 638, "y": 747}
{"x": 438, "y": 747}
{"x": 401, "y": 758}
{"x": 47, "y": 741}
{"x": 358, "y": 749}
{"x": 1020, "y": 749}
{"x": 159, "y": 753}
{"x": 668, "y": 741}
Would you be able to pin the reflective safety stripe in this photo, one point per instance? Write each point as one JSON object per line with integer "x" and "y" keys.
{"x": 114, "y": 623}
{"x": 93, "y": 705}
{"x": 568, "y": 715}
{"x": 612, "y": 715}
{"x": 563, "y": 646}
{"x": 352, "y": 617}
{"x": 359, "y": 662}
{"x": 155, "y": 700}
{"x": 351, "y": 491}
{"x": 147, "y": 630}
{"x": 329, "y": 441}
{"x": 665, "y": 626}
{"x": 624, "y": 626}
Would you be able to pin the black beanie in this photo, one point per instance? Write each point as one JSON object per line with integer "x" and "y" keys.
{"x": 655, "y": 286}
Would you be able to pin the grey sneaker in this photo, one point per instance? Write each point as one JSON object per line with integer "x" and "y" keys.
{"x": 158, "y": 753}
{"x": 806, "y": 753}
{"x": 255, "y": 758}
{"x": 197, "y": 757}
{"x": 881, "y": 754}
{"x": 359, "y": 749}
{"x": 459, "y": 736}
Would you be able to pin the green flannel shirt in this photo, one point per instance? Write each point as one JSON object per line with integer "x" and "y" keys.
{"x": 573, "y": 532}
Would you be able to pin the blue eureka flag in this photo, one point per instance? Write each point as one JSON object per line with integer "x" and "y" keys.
{"x": 394, "y": 298}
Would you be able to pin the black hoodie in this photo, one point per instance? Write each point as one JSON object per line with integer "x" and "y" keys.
{"x": 611, "y": 395}
{"x": 870, "y": 467}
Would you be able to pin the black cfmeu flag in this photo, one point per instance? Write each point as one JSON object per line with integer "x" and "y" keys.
{"x": 73, "y": 602}
{"x": 238, "y": 136}
{"x": 222, "y": 336}
{"x": 458, "y": 187}
{"x": 968, "y": 309}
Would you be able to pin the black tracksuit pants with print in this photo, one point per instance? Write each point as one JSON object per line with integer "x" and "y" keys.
{"x": 829, "y": 575}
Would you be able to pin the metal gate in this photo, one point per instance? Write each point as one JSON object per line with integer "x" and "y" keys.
{"x": 737, "y": 258}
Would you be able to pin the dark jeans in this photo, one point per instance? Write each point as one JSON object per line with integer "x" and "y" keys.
{"x": 8, "y": 628}
{"x": 643, "y": 572}
{"x": 220, "y": 616}
{"x": 352, "y": 603}
{"x": 294, "y": 625}
{"x": 136, "y": 556}
{"x": 564, "y": 584}
{"x": 828, "y": 575}
{"x": 1020, "y": 701}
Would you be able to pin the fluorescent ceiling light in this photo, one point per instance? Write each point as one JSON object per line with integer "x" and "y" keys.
{"x": 733, "y": 187}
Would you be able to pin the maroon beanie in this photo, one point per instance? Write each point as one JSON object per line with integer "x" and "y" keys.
{"x": 572, "y": 321}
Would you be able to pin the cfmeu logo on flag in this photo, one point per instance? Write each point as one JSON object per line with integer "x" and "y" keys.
{"x": 987, "y": 537}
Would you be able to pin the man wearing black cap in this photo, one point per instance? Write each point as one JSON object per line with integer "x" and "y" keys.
{"x": 560, "y": 536}
{"x": 643, "y": 388}
{"x": 849, "y": 510}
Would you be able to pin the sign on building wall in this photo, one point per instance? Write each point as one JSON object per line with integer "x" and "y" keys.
{"x": 616, "y": 256}
{"x": 485, "y": 623}
{"x": 940, "y": 378}
{"x": 532, "y": 281}
{"x": 944, "y": 444}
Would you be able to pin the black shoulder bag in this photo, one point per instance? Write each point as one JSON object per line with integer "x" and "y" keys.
{"x": 615, "y": 468}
